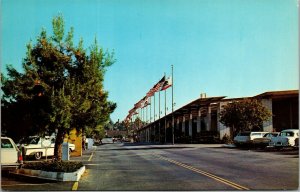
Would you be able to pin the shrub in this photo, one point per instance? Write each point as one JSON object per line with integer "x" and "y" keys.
{"x": 54, "y": 166}
{"x": 226, "y": 139}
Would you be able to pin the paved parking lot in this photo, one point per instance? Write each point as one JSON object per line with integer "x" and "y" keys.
{"x": 178, "y": 167}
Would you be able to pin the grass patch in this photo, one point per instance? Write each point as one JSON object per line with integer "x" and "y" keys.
{"x": 54, "y": 166}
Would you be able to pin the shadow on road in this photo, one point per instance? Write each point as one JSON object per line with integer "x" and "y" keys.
{"x": 282, "y": 151}
{"x": 136, "y": 146}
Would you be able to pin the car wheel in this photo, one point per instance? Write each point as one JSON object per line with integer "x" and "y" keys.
{"x": 38, "y": 155}
{"x": 278, "y": 148}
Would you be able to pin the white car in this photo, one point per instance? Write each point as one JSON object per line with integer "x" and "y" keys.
{"x": 41, "y": 146}
{"x": 11, "y": 157}
{"x": 286, "y": 138}
{"x": 247, "y": 137}
{"x": 107, "y": 140}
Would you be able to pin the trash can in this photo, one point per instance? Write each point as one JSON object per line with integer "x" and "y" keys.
{"x": 90, "y": 143}
{"x": 65, "y": 152}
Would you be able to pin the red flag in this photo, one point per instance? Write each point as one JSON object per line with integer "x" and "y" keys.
{"x": 167, "y": 84}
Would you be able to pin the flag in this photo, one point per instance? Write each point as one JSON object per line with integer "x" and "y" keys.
{"x": 158, "y": 85}
{"x": 150, "y": 92}
{"x": 138, "y": 104}
{"x": 142, "y": 101}
{"x": 147, "y": 101}
{"x": 132, "y": 111}
{"x": 167, "y": 84}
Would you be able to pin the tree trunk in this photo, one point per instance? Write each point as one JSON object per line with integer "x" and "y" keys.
{"x": 58, "y": 145}
{"x": 231, "y": 130}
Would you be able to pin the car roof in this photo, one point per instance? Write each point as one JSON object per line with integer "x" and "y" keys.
{"x": 254, "y": 132}
{"x": 293, "y": 130}
{"x": 5, "y": 138}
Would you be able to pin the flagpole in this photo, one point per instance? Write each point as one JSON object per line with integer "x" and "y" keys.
{"x": 173, "y": 123}
{"x": 154, "y": 118}
{"x": 143, "y": 115}
{"x": 150, "y": 111}
{"x": 159, "y": 115}
{"x": 150, "y": 129}
{"x": 146, "y": 114}
{"x": 165, "y": 115}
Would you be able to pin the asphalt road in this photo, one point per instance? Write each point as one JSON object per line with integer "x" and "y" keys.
{"x": 181, "y": 167}
{"x": 189, "y": 167}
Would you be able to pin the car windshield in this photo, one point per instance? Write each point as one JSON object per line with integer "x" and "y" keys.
{"x": 25, "y": 140}
{"x": 34, "y": 140}
{"x": 255, "y": 134}
{"x": 244, "y": 134}
{"x": 274, "y": 134}
{"x": 288, "y": 134}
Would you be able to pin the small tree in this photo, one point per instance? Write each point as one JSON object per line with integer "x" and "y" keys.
{"x": 244, "y": 115}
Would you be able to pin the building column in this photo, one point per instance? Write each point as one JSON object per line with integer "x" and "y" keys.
{"x": 199, "y": 121}
{"x": 208, "y": 118}
{"x": 150, "y": 133}
{"x": 191, "y": 125}
{"x": 268, "y": 125}
{"x": 173, "y": 129}
{"x": 147, "y": 135}
{"x": 183, "y": 124}
{"x": 177, "y": 127}
{"x": 222, "y": 129}
{"x": 153, "y": 132}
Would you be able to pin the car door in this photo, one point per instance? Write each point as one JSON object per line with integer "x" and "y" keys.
{"x": 9, "y": 152}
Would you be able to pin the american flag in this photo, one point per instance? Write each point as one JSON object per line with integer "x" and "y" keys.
{"x": 158, "y": 85}
{"x": 150, "y": 92}
{"x": 147, "y": 102}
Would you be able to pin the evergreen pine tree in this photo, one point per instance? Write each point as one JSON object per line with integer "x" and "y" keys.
{"x": 61, "y": 86}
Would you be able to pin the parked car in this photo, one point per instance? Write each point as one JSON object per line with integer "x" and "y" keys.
{"x": 11, "y": 157}
{"x": 107, "y": 140}
{"x": 265, "y": 140}
{"x": 286, "y": 138}
{"x": 33, "y": 146}
{"x": 296, "y": 142}
{"x": 246, "y": 138}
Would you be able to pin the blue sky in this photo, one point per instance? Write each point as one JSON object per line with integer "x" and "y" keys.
{"x": 230, "y": 48}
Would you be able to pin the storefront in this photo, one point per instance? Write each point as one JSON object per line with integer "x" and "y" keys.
{"x": 198, "y": 121}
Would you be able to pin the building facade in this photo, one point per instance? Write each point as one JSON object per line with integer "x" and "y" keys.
{"x": 198, "y": 121}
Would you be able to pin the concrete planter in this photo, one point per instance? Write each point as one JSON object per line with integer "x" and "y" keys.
{"x": 59, "y": 176}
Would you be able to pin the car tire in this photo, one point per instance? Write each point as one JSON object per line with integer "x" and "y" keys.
{"x": 38, "y": 155}
{"x": 278, "y": 148}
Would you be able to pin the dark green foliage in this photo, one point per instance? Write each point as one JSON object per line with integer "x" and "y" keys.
{"x": 54, "y": 166}
{"x": 61, "y": 88}
{"x": 226, "y": 139}
{"x": 244, "y": 115}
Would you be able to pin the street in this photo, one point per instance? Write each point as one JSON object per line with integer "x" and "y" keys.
{"x": 180, "y": 167}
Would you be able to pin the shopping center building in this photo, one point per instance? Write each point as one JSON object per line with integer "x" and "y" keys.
{"x": 198, "y": 121}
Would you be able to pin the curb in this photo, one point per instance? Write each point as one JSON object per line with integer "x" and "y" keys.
{"x": 48, "y": 176}
{"x": 30, "y": 178}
